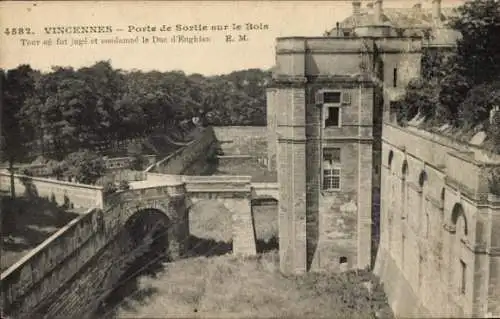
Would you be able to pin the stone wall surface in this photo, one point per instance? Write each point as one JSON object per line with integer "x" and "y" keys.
{"x": 44, "y": 270}
{"x": 118, "y": 175}
{"x": 242, "y": 140}
{"x": 80, "y": 195}
{"x": 72, "y": 271}
{"x": 190, "y": 159}
{"x": 114, "y": 163}
{"x": 438, "y": 251}
{"x": 65, "y": 273}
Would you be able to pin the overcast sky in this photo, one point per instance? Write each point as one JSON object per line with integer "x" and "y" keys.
{"x": 284, "y": 18}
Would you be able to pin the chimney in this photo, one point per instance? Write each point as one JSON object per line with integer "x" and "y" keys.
{"x": 436, "y": 10}
{"x": 378, "y": 11}
{"x": 356, "y": 8}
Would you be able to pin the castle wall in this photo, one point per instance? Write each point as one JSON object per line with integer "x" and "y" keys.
{"x": 80, "y": 195}
{"x": 437, "y": 246}
{"x": 190, "y": 159}
{"x": 242, "y": 140}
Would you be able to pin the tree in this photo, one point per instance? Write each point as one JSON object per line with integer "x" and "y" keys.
{"x": 17, "y": 87}
{"x": 432, "y": 63}
{"x": 477, "y": 56}
{"x": 421, "y": 97}
{"x": 135, "y": 150}
{"x": 85, "y": 166}
{"x": 476, "y": 107}
{"x": 453, "y": 90}
{"x": 494, "y": 131}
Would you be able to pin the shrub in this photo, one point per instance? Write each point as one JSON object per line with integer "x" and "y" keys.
{"x": 494, "y": 181}
{"x": 453, "y": 90}
{"x": 124, "y": 185}
{"x": 420, "y": 97}
{"x": 475, "y": 109}
{"x": 67, "y": 203}
{"x": 494, "y": 132}
{"x": 109, "y": 188}
{"x": 138, "y": 162}
{"x": 87, "y": 167}
{"x": 27, "y": 172}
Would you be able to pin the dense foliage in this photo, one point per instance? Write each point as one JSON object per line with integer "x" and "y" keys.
{"x": 67, "y": 115}
{"x": 461, "y": 88}
{"x": 67, "y": 109}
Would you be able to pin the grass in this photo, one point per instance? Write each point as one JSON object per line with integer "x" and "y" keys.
{"x": 226, "y": 286}
{"x": 26, "y": 223}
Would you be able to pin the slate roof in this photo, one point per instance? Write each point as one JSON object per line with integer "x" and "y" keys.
{"x": 410, "y": 22}
{"x": 399, "y": 17}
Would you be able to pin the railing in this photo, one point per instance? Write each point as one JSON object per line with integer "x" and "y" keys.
{"x": 34, "y": 270}
{"x": 80, "y": 195}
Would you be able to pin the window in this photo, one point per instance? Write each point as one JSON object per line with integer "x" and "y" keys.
{"x": 331, "y": 169}
{"x": 463, "y": 281}
{"x": 332, "y": 116}
{"x": 395, "y": 77}
{"x": 331, "y": 101}
{"x": 331, "y": 97}
{"x": 343, "y": 260}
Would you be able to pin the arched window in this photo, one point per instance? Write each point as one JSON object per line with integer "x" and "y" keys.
{"x": 391, "y": 156}
{"x": 404, "y": 169}
{"x": 422, "y": 178}
{"x": 459, "y": 219}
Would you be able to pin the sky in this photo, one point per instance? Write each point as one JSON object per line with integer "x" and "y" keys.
{"x": 283, "y": 18}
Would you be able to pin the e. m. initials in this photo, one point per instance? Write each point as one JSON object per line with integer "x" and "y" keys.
{"x": 236, "y": 38}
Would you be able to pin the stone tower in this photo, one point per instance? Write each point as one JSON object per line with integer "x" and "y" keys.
{"x": 325, "y": 111}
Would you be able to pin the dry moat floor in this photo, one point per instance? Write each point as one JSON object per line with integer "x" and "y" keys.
{"x": 219, "y": 285}
{"x": 26, "y": 223}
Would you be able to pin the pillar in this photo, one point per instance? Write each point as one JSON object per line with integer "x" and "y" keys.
{"x": 179, "y": 231}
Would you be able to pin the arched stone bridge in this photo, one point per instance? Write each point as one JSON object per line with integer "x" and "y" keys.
{"x": 174, "y": 195}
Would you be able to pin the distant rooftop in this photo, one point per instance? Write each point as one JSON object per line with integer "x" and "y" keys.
{"x": 400, "y": 18}
{"x": 414, "y": 21}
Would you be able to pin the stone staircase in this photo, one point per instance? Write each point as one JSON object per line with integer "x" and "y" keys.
{"x": 243, "y": 234}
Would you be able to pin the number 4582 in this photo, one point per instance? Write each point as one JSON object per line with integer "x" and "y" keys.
{"x": 18, "y": 31}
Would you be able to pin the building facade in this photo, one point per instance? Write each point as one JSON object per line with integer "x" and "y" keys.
{"x": 325, "y": 111}
{"x": 347, "y": 175}
{"x": 439, "y": 253}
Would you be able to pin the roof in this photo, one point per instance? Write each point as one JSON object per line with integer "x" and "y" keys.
{"x": 399, "y": 17}
{"x": 409, "y": 21}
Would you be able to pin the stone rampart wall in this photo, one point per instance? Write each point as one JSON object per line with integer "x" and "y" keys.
{"x": 79, "y": 195}
{"x": 242, "y": 140}
{"x": 194, "y": 154}
{"x": 438, "y": 254}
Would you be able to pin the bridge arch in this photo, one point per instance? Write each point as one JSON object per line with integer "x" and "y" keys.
{"x": 150, "y": 231}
